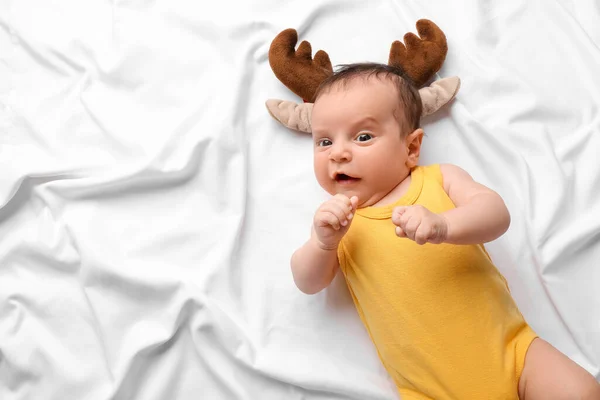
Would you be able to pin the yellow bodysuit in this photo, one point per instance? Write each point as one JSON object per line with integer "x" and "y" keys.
{"x": 441, "y": 316}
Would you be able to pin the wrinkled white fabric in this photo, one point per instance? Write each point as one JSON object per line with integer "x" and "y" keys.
{"x": 149, "y": 204}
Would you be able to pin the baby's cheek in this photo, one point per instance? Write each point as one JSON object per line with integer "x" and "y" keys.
{"x": 324, "y": 181}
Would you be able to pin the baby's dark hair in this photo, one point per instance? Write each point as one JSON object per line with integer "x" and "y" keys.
{"x": 408, "y": 94}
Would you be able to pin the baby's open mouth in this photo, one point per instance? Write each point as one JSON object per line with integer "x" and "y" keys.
{"x": 343, "y": 178}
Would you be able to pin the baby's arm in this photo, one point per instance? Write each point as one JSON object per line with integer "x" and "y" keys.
{"x": 313, "y": 267}
{"x": 480, "y": 215}
{"x": 315, "y": 264}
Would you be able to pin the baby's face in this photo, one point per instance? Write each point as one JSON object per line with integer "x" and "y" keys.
{"x": 358, "y": 147}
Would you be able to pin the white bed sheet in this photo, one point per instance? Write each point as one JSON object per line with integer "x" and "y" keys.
{"x": 149, "y": 205}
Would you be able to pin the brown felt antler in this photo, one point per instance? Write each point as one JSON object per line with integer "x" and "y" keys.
{"x": 296, "y": 69}
{"x": 421, "y": 57}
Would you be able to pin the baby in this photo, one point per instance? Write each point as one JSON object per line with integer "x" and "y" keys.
{"x": 409, "y": 241}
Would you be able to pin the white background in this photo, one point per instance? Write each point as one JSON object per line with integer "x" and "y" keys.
{"x": 149, "y": 205}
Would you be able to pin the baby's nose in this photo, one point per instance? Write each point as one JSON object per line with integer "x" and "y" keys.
{"x": 340, "y": 152}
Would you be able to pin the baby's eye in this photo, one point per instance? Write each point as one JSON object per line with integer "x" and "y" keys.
{"x": 324, "y": 142}
{"x": 364, "y": 137}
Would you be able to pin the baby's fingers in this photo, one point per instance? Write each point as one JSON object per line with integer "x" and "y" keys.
{"x": 354, "y": 202}
{"x": 410, "y": 227}
{"x": 397, "y": 214}
{"x": 328, "y": 218}
{"x": 421, "y": 236}
{"x": 345, "y": 204}
{"x": 342, "y": 210}
{"x": 400, "y": 232}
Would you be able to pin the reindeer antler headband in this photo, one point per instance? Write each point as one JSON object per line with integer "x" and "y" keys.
{"x": 420, "y": 58}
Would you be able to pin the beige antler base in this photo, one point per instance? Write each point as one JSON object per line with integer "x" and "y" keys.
{"x": 438, "y": 94}
{"x": 297, "y": 116}
{"x": 291, "y": 115}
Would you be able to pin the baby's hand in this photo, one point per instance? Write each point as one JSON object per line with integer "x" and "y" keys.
{"x": 419, "y": 224}
{"x": 332, "y": 220}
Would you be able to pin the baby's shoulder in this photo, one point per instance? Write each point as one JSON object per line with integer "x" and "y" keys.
{"x": 431, "y": 172}
{"x": 441, "y": 167}
{"x": 446, "y": 173}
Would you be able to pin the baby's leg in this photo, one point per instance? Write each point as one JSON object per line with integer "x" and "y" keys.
{"x": 550, "y": 375}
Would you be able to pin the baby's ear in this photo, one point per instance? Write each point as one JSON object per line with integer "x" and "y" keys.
{"x": 291, "y": 115}
{"x": 413, "y": 146}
